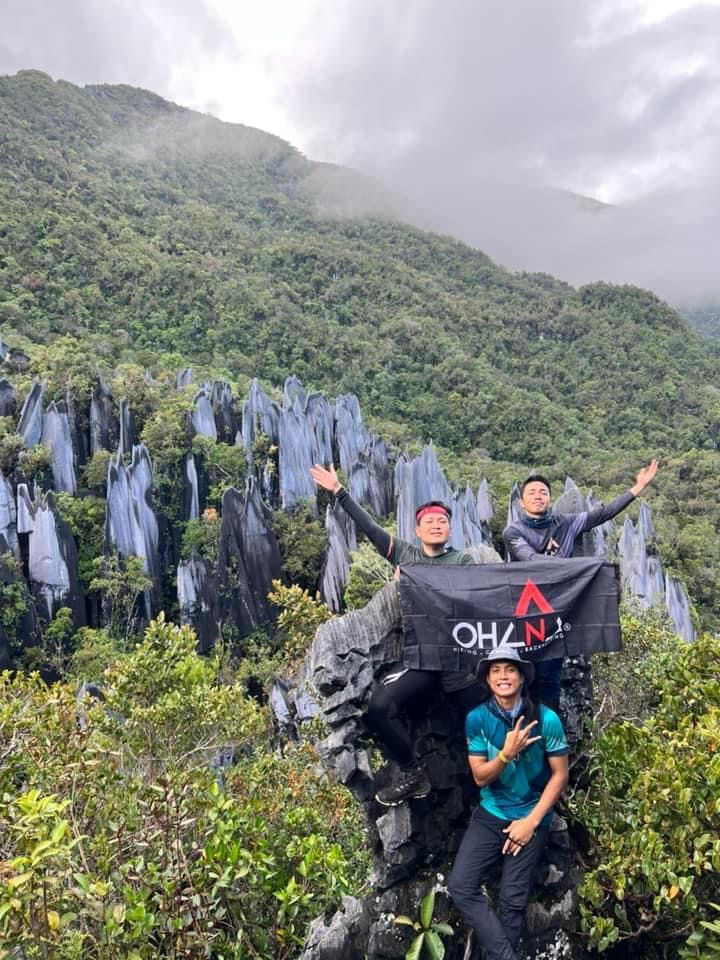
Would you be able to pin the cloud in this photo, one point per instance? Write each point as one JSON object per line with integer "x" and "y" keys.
{"x": 483, "y": 113}
{"x": 118, "y": 41}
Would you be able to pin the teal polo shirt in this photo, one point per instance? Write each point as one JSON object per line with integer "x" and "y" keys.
{"x": 516, "y": 791}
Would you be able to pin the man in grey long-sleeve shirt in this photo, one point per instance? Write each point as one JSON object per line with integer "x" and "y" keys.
{"x": 540, "y": 533}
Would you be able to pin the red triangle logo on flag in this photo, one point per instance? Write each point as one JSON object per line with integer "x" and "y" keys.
{"x": 531, "y": 595}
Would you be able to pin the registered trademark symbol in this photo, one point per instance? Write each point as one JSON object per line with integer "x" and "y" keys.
{"x": 567, "y": 626}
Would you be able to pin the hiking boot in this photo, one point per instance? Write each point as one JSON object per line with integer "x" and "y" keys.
{"x": 410, "y": 784}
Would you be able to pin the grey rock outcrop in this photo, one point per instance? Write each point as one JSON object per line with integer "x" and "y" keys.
{"x": 8, "y": 403}
{"x": 223, "y": 404}
{"x": 103, "y": 423}
{"x": 249, "y": 557}
{"x": 203, "y": 415}
{"x": 363, "y": 457}
{"x": 8, "y": 517}
{"x": 342, "y": 541}
{"x": 126, "y": 439}
{"x": 259, "y": 415}
{"x": 52, "y": 558}
{"x": 57, "y": 439}
{"x": 410, "y": 843}
{"x": 131, "y": 527}
{"x": 422, "y": 479}
{"x": 30, "y": 423}
{"x": 305, "y": 438}
{"x": 184, "y": 378}
{"x": 199, "y": 601}
{"x": 191, "y": 498}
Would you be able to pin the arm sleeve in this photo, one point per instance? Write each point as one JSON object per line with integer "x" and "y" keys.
{"x": 476, "y": 740}
{"x": 517, "y": 546}
{"x": 593, "y": 518}
{"x": 554, "y": 741}
{"x": 379, "y": 538}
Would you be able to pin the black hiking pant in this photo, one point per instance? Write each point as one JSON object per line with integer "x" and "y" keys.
{"x": 408, "y": 691}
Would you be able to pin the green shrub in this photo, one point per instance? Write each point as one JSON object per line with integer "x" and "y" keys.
{"x": 302, "y": 542}
{"x": 117, "y": 839}
{"x": 300, "y": 616}
{"x": 369, "y": 572}
{"x": 652, "y": 808}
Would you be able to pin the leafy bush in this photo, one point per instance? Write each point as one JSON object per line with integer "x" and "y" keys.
{"x": 225, "y": 465}
{"x": 300, "y": 616}
{"x": 122, "y": 834}
{"x": 302, "y": 541}
{"x": 368, "y": 573}
{"x": 201, "y": 536}
{"x": 652, "y": 808}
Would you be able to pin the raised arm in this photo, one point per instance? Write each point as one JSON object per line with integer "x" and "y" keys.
{"x": 327, "y": 479}
{"x": 602, "y": 514}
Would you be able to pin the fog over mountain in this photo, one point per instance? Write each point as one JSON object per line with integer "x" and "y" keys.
{"x": 489, "y": 119}
{"x": 484, "y": 115}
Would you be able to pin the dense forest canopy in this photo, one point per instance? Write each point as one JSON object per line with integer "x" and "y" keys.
{"x": 148, "y": 229}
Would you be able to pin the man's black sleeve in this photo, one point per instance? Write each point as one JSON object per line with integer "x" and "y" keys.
{"x": 602, "y": 514}
{"x": 379, "y": 538}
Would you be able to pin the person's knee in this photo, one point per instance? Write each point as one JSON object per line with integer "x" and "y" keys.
{"x": 460, "y": 891}
{"x": 379, "y": 709}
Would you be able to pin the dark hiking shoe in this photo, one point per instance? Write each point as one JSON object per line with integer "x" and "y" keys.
{"x": 410, "y": 784}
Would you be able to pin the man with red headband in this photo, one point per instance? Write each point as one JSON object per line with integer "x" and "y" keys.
{"x": 408, "y": 689}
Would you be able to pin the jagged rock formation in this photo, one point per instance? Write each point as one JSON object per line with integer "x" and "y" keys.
{"x": 131, "y": 527}
{"x": 8, "y": 518}
{"x": 191, "y": 506}
{"x": 199, "y": 600}
{"x": 280, "y": 445}
{"x": 249, "y": 557}
{"x": 103, "y": 424}
{"x": 57, "y": 438}
{"x": 127, "y": 437}
{"x": 422, "y": 479}
{"x": 7, "y": 399}
{"x": 306, "y": 430}
{"x": 203, "y": 415}
{"x": 30, "y": 425}
{"x": 342, "y": 541}
{"x": 52, "y": 557}
{"x": 416, "y": 841}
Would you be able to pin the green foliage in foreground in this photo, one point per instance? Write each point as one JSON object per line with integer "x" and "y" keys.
{"x": 117, "y": 839}
{"x": 426, "y": 942}
{"x": 652, "y": 809}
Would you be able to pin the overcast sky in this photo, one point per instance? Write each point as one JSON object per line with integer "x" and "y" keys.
{"x": 483, "y": 113}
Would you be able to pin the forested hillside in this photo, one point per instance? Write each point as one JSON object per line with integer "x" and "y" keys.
{"x": 144, "y": 229}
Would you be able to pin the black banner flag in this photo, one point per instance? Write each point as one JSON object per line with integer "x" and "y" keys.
{"x": 454, "y": 615}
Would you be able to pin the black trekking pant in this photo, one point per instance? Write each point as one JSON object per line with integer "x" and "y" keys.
{"x": 480, "y": 850}
{"x": 408, "y": 691}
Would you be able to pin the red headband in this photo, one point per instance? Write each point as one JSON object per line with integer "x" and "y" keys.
{"x": 433, "y": 509}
